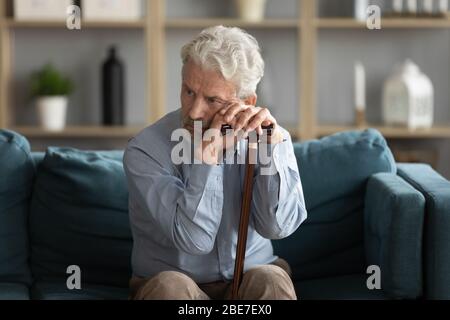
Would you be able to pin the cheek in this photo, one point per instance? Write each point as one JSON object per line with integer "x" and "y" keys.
{"x": 185, "y": 103}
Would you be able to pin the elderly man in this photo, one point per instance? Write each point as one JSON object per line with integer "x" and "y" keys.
{"x": 185, "y": 217}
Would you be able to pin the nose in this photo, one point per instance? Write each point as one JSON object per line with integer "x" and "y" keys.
{"x": 198, "y": 110}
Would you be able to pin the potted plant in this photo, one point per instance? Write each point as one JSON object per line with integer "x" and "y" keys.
{"x": 51, "y": 90}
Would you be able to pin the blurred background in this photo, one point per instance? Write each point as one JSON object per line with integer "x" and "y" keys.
{"x": 91, "y": 74}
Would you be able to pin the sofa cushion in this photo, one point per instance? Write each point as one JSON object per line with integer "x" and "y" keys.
{"x": 348, "y": 287}
{"x": 436, "y": 190}
{"x": 16, "y": 180}
{"x": 334, "y": 173}
{"x": 79, "y": 216}
{"x": 57, "y": 290}
{"x": 393, "y": 228}
{"x": 14, "y": 291}
{"x": 38, "y": 157}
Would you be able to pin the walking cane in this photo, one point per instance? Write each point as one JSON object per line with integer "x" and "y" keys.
{"x": 250, "y": 160}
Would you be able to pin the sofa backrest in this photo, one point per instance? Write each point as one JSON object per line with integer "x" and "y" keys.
{"x": 79, "y": 216}
{"x": 334, "y": 172}
{"x": 38, "y": 157}
{"x": 16, "y": 180}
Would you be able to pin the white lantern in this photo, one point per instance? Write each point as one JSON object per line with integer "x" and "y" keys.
{"x": 408, "y": 98}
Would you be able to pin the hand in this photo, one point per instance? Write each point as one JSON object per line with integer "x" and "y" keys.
{"x": 243, "y": 119}
{"x": 249, "y": 118}
{"x": 213, "y": 143}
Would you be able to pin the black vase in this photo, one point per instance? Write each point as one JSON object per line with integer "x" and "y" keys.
{"x": 113, "y": 94}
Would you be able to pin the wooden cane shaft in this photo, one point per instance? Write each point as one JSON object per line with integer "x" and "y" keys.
{"x": 243, "y": 224}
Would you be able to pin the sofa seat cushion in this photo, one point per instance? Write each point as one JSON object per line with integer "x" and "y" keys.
{"x": 14, "y": 291}
{"x": 16, "y": 181}
{"x": 57, "y": 290}
{"x": 79, "y": 216}
{"x": 348, "y": 287}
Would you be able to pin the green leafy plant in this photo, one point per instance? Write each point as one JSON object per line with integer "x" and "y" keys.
{"x": 50, "y": 82}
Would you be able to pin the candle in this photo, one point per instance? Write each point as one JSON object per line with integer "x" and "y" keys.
{"x": 428, "y": 6}
{"x": 397, "y": 6}
{"x": 360, "y": 87}
{"x": 361, "y": 9}
{"x": 443, "y": 6}
{"x": 412, "y": 6}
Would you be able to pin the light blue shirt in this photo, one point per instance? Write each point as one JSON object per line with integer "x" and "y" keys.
{"x": 185, "y": 217}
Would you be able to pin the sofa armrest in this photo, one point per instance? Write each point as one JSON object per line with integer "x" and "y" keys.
{"x": 393, "y": 227}
{"x": 436, "y": 190}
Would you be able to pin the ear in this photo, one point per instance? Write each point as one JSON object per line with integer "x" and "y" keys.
{"x": 251, "y": 100}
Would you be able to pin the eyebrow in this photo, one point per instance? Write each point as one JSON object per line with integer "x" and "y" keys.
{"x": 207, "y": 97}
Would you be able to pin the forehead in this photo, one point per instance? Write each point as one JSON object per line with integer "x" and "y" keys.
{"x": 209, "y": 81}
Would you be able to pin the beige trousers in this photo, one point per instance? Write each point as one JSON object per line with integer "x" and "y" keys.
{"x": 265, "y": 282}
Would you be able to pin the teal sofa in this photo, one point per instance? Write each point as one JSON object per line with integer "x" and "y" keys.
{"x": 69, "y": 207}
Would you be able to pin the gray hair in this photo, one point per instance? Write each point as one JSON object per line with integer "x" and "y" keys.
{"x": 232, "y": 52}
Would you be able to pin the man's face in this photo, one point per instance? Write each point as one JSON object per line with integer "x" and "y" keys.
{"x": 203, "y": 94}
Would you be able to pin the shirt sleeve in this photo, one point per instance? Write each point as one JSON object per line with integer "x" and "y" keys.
{"x": 278, "y": 205}
{"x": 188, "y": 212}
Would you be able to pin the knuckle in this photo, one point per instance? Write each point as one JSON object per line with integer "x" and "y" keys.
{"x": 259, "y": 118}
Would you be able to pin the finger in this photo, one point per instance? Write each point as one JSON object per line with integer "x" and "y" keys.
{"x": 259, "y": 131}
{"x": 234, "y": 110}
{"x": 219, "y": 117}
{"x": 257, "y": 120}
{"x": 218, "y": 121}
{"x": 244, "y": 118}
{"x": 271, "y": 121}
{"x": 225, "y": 109}
{"x": 234, "y": 101}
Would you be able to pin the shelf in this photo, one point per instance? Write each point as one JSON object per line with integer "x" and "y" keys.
{"x": 202, "y": 23}
{"x": 97, "y": 132}
{"x": 80, "y": 132}
{"x": 331, "y": 23}
{"x": 391, "y": 132}
{"x": 84, "y": 24}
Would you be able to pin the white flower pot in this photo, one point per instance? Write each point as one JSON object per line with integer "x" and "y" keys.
{"x": 52, "y": 112}
{"x": 250, "y": 10}
{"x": 408, "y": 98}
